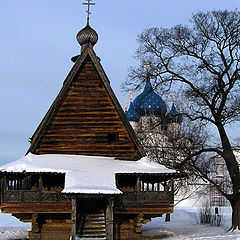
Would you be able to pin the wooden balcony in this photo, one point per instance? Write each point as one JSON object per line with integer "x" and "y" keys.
{"x": 30, "y": 196}
{"x": 145, "y": 197}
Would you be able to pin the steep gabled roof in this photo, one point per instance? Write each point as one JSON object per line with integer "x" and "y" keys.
{"x": 84, "y": 115}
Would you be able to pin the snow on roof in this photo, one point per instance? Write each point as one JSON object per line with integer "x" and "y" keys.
{"x": 84, "y": 174}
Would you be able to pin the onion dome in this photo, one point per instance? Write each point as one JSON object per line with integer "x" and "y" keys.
{"x": 87, "y": 35}
{"x": 149, "y": 102}
{"x": 174, "y": 116}
{"x": 131, "y": 114}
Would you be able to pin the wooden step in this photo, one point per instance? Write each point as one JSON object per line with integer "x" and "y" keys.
{"x": 92, "y": 226}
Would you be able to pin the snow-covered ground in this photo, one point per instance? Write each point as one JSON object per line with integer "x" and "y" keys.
{"x": 184, "y": 224}
{"x": 12, "y": 229}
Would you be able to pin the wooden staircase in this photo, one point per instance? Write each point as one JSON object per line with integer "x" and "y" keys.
{"x": 92, "y": 225}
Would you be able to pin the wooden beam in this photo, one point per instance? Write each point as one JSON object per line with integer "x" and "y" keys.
{"x": 74, "y": 217}
{"x": 48, "y": 207}
{"x": 109, "y": 219}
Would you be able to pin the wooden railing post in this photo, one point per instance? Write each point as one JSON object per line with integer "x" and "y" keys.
{"x": 74, "y": 217}
{"x": 40, "y": 186}
{"x": 3, "y": 188}
{"x": 138, "y": 185}
{"x": 109, "y": 219}
{"x": 172, "y": 187}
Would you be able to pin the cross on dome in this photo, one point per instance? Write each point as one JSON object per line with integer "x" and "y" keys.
{"x": 173, "y": 96}
{"x": 131, "y": 93}
{"x": 126, "y": 105}
{"x": 88, "y": 3}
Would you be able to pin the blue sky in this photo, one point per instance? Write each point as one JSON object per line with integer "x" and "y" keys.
{"x": 38, "y": 40}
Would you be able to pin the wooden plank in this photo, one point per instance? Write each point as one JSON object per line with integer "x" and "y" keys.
{"x": 88, "y": 145}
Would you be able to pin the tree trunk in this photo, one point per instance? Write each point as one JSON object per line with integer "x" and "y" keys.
{"x": 235, "y": 214}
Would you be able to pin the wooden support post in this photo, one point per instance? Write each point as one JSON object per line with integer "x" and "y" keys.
{"x": 138, "y": 185}
{"x": 109, "y": 219}
{"x": 40, "y": 185}
{"x": 3, "y": 188}
{"x": 74, "y": 217}
{"x": 6, "y": 182}
{"x": 165, "y": 187}
{"x": 167, "y": 218}
{"x": 172, "y": 184}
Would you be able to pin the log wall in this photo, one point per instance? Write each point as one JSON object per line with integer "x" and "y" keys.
{"x": 83, "y": 120}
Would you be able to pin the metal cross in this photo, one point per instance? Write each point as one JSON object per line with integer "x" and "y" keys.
{"x": 126, "y": 105}
{"x": 131, "y": 93}
{"x": 88, "y": 11}
{"x": 147, "y": 65}
{"x": 173, "y": 95}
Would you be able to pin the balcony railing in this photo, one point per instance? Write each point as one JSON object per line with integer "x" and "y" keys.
{"x": 16, "y": 196}
{"x": 148, "y": 197}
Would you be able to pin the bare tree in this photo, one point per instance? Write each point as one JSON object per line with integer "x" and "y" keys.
{"x": 202, "y": 62}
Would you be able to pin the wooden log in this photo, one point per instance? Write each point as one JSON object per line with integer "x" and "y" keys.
{"x": 49, "y": 207}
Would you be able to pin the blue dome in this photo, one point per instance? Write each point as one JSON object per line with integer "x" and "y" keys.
{"x": 131, "y": 114}
{"x": 148, "y": 102}
{"x": 174, "y": 115}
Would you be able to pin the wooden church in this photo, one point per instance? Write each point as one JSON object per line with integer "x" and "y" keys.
{"x": 85, "y": 174}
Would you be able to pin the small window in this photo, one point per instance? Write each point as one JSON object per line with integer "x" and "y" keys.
{"x": 112, "y": 137}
